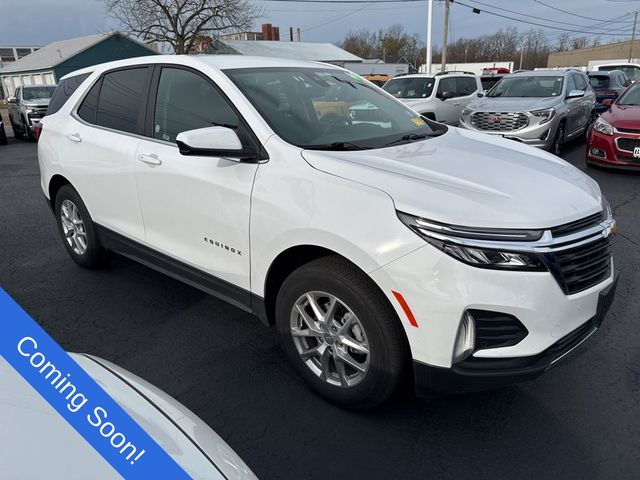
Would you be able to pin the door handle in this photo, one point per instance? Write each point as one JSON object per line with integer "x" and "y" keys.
{"x": 456, "y": 104}
{"x": 151, "y": 159}
{"x": 74, "y": 137}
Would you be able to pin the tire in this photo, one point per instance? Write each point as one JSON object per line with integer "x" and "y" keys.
{"x": 365, "y": 316}
{"x": 27, "y": 135}
{"x": 587, "y": 129}
{"x": 3, "y": 136}
{"x": 558, "y": 141}
{"x": 77, "y": 230}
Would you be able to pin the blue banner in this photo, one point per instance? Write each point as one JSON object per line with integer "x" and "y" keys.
{"x": 79, "y": 399}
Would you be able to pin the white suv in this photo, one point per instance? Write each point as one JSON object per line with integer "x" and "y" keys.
{"x": 440, "y": 97}
{"x": 378, "y": 248}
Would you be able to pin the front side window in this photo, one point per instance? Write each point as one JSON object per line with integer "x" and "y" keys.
{"x": 42, "y": 92}
{"x": 411, "y": 87}
{"x": 328, "y": 109}
{"x": 580, "y": 82}
{"x": 528, "y": 86}
{"x": 466, "y": 86}
{"x": 186, "y": 101}
{"x": 121, "y": 99}
{"x": 571, "y": 84}
{"x": 448, "y": 85}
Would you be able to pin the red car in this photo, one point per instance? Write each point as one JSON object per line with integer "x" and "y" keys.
{"x": 614, "y": 140}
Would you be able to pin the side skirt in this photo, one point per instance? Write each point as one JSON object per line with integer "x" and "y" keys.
{"x": 210, "y": 284}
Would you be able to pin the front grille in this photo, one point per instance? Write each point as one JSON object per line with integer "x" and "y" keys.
{"x": 627, "y": 144}
{"x": 582, "y": 267}
{"x": 499, "y": 121}
{"x": 578, "y": 225}
{"x": 628, "y": 130}
{"x": 494, "y": 329}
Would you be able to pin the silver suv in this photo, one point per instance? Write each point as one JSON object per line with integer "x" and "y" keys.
{"x": 27, "y": 107}
{"x": 542, "y": 108}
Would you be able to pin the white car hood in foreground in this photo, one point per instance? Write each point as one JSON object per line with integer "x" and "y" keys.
{"x": 471, "y": 179}
{"x": 38, "y": 443}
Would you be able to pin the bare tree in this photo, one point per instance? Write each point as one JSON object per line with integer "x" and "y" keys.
{"x": 180, "y": 23}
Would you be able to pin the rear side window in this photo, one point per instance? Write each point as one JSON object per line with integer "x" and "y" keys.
{"x": 63, "y": 91}
{"x": 466, "y": 86}
{"x": 599, "y": 81}
{"x": 186, "y": 101}
{"x": 121, "y": 99}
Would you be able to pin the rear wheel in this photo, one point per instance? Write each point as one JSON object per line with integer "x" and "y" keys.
{"x": 77, "y": 230}
{"x": 341, "y": 333}
{"x": 3, "y": 136}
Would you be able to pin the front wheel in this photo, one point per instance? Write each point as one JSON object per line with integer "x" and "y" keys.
{"x": 77, "y": 230}
{"x": 558, "y": 141}
{"x": 341, "y": 333}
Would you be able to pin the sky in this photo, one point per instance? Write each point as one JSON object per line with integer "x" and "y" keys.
{"x": 51, "y": 20}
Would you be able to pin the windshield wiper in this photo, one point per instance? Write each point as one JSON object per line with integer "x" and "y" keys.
{"x": 338, "y": 146}
{"x": 412, "y": 137}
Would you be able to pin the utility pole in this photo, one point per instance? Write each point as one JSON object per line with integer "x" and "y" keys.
{"x": 429, "y": 17}
{"x": 633, "y": 35}
{"x": 521, "y": 55}
{"x": 445, "y": 33}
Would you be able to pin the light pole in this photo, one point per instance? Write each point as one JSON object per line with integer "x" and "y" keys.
{"x": 445, "y": 33}
{"x": 429, "y": 18}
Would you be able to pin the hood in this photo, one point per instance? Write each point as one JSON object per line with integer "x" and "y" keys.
{"x": 471, "y": 179}
{"x": 37, "y": 102}
{"x": 512, "y": 104}
{"x": 623, "y": 116}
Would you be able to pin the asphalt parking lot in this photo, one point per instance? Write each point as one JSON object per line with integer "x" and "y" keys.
{"x": 581, "y": 420}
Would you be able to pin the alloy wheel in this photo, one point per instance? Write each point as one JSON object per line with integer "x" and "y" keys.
{"x": 330, "y": 339}
{"x": 73, "y": 227}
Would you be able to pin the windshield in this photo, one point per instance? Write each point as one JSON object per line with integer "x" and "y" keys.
{"x": 328, "y": 109}
{"x": 599, "y": 81}
{"x": 531, "y": 86}
{"x": 36, "y": 93}
{"x": 631, "y": 96}
{"x": 411, "y": 87}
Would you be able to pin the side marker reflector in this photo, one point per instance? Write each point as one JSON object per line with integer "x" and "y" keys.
{"x": 405, "y": 307}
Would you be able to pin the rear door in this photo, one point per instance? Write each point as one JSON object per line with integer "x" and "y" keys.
{"x": 195, "y": 208}
{"x": 99, "y": 145}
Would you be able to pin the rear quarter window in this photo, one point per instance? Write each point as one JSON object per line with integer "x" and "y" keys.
{"x": 64, "y": 90}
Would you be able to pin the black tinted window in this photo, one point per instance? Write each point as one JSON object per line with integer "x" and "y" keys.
{"x": 89, "y": 106}
{"x": 121, "y": 99}
{"x": 466, "y": 86}
{"x": 448, "y": 85}
{"x": 63, "y": 91}
{"x": 187, "y": 101}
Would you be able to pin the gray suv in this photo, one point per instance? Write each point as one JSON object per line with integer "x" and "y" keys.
{"x": 540, "y": 108}
{"x": 27, "y": 108}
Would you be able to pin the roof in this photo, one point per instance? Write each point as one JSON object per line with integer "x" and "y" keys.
{"x": 544, "y": 73}
{"x": 321, "y": 52}
{"x": 220, "y": 62}
{"x": 55, "y": 53}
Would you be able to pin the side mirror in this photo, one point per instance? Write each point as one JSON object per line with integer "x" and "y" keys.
{"x": 446, "y": 95}
{"x": 575, "y": 94}
{"x": 213, "y": 142}
{"x": 12, "y": 100}
{"x": 482, "y": 94}
{"x": 607, "y": 102}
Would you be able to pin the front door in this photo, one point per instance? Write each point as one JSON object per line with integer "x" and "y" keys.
{"x": 448, "y": 110}
{"x": 195, "y": 208}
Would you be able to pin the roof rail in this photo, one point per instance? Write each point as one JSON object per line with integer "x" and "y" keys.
{"x": 454, "y": 71}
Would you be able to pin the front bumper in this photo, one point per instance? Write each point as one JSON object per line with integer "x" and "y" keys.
{"x": 475, "y": 374}
{"x": 608, "y": 152}
{"x": 534, "y": 135}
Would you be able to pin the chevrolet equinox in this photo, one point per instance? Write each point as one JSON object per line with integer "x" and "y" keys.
{"x": 381, "y": 245}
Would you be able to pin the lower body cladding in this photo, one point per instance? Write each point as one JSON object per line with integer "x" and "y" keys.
{"x": 516, "y": 324}
{"x": 616, "y": 151}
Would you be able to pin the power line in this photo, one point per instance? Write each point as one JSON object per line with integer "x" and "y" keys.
{"x": 457, "y": 2}
{"x": 336, "y": 18}
{"x": 567, "y": 12}
{"x": 543, "y": 18}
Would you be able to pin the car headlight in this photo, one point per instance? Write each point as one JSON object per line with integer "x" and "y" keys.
{"x": 603, "y": 127}
{"x": 544, "y": 114}
{"x": 453, "y": 240}
{"x": 466, "y": 112}
{"x": 31, "y": 110}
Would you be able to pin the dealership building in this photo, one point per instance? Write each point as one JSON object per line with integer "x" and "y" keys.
{"x": 46, "y": 65}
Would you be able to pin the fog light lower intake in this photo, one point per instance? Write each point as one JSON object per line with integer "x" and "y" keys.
{"x": 465, "y": 339}
{"x": 597, "y": 152}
